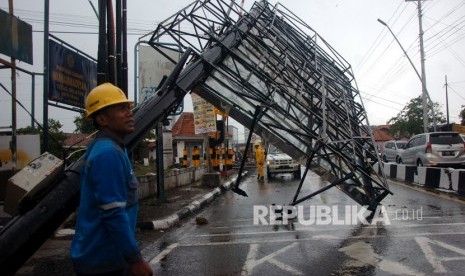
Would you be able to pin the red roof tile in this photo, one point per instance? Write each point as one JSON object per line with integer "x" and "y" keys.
{"x": 381, "y": 133}
{"x": 77, "y": 140}
{"x": 184, "y": 126}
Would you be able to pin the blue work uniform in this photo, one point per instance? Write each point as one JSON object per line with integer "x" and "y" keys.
{"x": 104, "y": 240}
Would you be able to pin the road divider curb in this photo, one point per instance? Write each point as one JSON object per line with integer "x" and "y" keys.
{"x": 434, "y": 178}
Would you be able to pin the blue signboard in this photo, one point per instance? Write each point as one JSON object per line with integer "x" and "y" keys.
{"x": 71, "y": 75}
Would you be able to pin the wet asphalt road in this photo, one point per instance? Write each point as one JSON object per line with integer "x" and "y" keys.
{"x": 421, "y": 233}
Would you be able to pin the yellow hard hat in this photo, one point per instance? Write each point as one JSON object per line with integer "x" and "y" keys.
{"x": 102, "y": 96}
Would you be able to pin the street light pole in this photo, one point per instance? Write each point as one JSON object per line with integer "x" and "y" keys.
{"x": 425, "y": 94}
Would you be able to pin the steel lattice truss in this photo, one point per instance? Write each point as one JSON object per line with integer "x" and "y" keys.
{"x": 270, "y": 61}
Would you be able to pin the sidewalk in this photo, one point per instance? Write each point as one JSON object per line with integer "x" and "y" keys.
{"x": 181, "y": 202}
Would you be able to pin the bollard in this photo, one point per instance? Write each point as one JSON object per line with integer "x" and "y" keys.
{"x": 196, "y": 157}
{"x": 223, "y": 155}
{"x": 215, "y": 160}
{"x": 184, "y": 159}
{"x": 229, "y": 160}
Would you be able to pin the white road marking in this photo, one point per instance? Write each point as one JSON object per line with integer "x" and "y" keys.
{"x": 433, "y": 258}
{"x": 361, "y": 252}
{"x": 251, "y": 261}
{"x": 363, "y": 255}
{"x": 317, "y": 238}
{"x": 318, "y": 229}
{"x": 164, "y": 253}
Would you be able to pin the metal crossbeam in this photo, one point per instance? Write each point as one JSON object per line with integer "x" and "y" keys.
{"x": 272, "y": 58}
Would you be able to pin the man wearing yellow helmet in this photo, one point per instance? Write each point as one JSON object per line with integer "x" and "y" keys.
{"x": 260, "y": 159}
{"x": 104, "y": 242}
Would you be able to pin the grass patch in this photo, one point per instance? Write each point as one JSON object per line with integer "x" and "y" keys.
{"x": 140, "y": 170}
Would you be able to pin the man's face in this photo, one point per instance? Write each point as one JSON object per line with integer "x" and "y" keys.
{"x": 118, "y": 119}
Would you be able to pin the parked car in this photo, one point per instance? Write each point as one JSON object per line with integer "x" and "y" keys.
{"x": 392, "y": 150}
{"x": 442, "y": 149}
{"x": 279, "y": 162}
{"x": 463, "y": 136}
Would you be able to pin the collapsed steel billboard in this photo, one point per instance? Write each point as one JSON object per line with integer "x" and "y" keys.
{"x": 266, "y": 68}
{"x": 305, "y": 93}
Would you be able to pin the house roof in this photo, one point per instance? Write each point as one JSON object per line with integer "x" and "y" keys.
{"x": 184, "y": 127}
{"x": 77, "y": 140}
{"x": 381, "y": 133}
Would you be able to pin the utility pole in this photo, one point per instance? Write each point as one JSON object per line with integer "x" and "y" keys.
{"x": 415, "y": 69}
{"x": 46, "y": 74}
{"x": 447, "y": 104}
{"x": 423, "y": 73}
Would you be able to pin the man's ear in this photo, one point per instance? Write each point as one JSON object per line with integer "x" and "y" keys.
{"x": 101, "y": 119}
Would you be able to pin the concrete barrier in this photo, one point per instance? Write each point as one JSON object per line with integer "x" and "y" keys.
{"x": 410, "y": 172}
{"x": 433, "y": 177}
{"x": 393, "y": 171}
{"x": 449, "y": 179}
{"x": 173, "y": 178}
{"x": 461, "y": 182}
{"x": 444, "y": 178}
{"x": 406, "y": 173}
{"x": 429, "y": 177}
{"x": 420, "y": 176}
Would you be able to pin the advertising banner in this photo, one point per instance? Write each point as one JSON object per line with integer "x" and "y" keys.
{"x": 204, "y": 115}
{"x": 71, "y": 77}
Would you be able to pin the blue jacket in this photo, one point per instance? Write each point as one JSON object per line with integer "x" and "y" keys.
{"x": 104, "y": 239}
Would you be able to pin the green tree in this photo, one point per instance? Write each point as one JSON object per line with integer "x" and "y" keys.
{"x": 409, "y": 121}
{"x": 56, "y": 136}
{"x": 462, "y": 116}
{"x": 83, "y": 125}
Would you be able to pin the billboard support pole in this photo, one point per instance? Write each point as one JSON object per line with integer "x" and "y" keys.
{"x": 46, "y": 77}
{"x": 13, "y": 106}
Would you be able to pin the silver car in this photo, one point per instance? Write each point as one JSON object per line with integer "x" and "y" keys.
{"x": 392, "y": 150}
{"x": 445, "y": 149}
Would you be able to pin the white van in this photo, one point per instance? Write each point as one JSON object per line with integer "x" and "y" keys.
{"x": 279, "y": 162}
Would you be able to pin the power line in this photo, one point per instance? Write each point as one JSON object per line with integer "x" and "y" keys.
{"x": 456, "y": 92}
{"x": 375, "y": 43}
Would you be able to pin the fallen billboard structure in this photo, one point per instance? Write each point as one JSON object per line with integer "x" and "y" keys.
{"x": 265, "y": 68}
{"x": 274, "y": 72}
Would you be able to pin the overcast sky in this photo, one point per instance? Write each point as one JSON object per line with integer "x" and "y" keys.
{"x": 385, "y": 78}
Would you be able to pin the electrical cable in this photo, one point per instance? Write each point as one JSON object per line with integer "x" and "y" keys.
{"x": 458, "y": 94}
{"x": 376, "y": 43}
{"x": 63, "y": 150}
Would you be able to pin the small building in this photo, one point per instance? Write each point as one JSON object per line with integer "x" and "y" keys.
{"x": 381, "y": 135}
{"x": 184, "y": 137}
